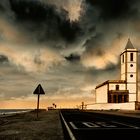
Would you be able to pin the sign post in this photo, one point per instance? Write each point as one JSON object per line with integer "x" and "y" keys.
{"x": 39, "y": 90}
{"x": 82, "y": 105}
{"x": 38, "y": 104}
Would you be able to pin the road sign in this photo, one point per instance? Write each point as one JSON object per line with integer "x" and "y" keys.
{"x": 39, "y": 90}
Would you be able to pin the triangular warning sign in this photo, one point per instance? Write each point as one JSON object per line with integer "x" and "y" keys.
{"x": 39, "y": 90}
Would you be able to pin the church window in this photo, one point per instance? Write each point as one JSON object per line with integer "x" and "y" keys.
{"x": 122, "y": 58}
{"x": 131, "y": 65}
{"x": 131, "y": 56}
{"x": 117, "y": 87}
{"x": 131, "y": 75}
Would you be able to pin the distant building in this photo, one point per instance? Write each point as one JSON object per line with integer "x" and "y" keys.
{"x": 120, "y": 94}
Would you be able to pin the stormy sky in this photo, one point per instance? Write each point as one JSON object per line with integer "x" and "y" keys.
{"x": 67, "y": 46}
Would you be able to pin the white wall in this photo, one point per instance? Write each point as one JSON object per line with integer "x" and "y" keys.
{"x": 112, "y": 86}
{"x": 131, "y": 88}
{"x": 105, "y": 106}
{"x": 132, "y": 97}
{"x": 123, "y": 76}
{"x": 131, "y": 79}
{"x": 122, "y": 68}
{"x": 101, "y": 94}
{"x": 122, "y": 58}
{"x": 131, "y": 69}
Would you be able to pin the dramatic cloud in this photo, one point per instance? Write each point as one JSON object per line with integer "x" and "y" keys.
{"x": 44, "y": 22}
{"x": 73, "y": 7}
{"x": 69, "y": 46}
{"x": 112, "y": 9}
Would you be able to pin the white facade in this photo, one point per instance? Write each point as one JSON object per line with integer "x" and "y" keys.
{"x": 106, "y": 106}
{"x": 129, "y": 71}
{"x": 101, "y": 94}
{"x": 120, "y": 94}
{"x": 112, "y": 86}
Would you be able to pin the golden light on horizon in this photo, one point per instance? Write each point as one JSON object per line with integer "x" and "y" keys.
{"x": 44, "y": 103}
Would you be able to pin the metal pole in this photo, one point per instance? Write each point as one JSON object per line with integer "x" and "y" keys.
{"x": 38, "y": 104}
{"x": 82, "y": 105}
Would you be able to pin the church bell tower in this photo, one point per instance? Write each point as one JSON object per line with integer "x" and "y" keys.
{"x": 129, "y": 70}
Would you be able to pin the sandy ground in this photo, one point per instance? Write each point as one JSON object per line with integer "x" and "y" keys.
{"x": 26, "y": 126}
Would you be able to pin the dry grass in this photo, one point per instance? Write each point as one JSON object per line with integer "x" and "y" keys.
{"x": 27, "y": 127}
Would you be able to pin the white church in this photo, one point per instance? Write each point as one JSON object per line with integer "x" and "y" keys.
{"x": 120, "y": 94}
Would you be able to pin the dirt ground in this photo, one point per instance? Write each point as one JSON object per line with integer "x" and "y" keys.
{"x": 26, "y": 126}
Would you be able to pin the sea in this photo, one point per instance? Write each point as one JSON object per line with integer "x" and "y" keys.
{"x": 13, "y": 111}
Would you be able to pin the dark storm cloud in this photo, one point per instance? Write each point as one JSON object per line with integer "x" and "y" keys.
{"x": 100, "y": 12}
{"x": 97, "y": 44}
{"x": 113, "y": 22}
{"x": 44, "y": 22}
{"x": 5, "y": 10}
{"x": 1, "y": 8}
{"x": 3, "y": 58}
{"x": 73, "y": 58}
{"x": 114, "y": 9}
{"x": 4, "y": 6}
{"x": 93, "y": 42}
{"x": 105, "y": 16}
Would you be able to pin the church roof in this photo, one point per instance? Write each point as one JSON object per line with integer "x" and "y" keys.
{"x": 111, "y": 81}
{"x": 129, "y": 45}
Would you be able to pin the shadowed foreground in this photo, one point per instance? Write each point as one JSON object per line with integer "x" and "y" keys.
{"x": 26, "y": 126}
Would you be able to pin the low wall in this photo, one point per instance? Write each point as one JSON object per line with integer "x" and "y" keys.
{"x": 109, "y": 106}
